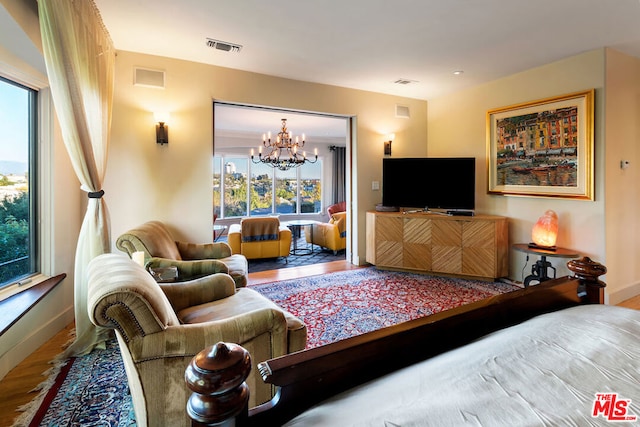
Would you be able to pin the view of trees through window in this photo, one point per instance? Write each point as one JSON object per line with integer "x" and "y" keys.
{"x": 17, "y": 117}
{"x": 243, "y": 188}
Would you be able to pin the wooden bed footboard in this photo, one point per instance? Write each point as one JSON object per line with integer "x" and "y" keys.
{"x": 310, "y": 376}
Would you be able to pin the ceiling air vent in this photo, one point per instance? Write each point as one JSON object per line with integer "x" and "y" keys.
{"x": 224, "y": 46}
{"x": 405, "y": 81}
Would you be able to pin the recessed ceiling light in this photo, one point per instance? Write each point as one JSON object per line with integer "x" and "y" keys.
{"x": 458, "y": 72}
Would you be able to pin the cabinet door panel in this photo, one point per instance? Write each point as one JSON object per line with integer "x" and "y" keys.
{"x": 417, "y": 256}
{"x": 478, "y": 234}
{"x": 389, "y": 254}
{"x": 417, "y": 230}
{"x": 389, "y": 229}
{"x": 446, "y": 233}
{"x": 479, "y": 262}
{"x": 446, "y": 259}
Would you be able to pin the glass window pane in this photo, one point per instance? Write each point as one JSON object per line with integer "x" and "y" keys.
{"x": 261, "y": 189}
{"x": 235, "y": 186}
{"x": 311, "y": 187}
{"x": 17, "y": 254}
{"x": 286, "y": 191}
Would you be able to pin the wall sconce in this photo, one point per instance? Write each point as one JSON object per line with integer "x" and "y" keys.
{"x": 545, "y": 231}
{"x": 162, "y": 129}
{"x": 387, "y": 145}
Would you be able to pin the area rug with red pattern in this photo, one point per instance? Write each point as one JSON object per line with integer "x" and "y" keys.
{"x": 340, "y": 305}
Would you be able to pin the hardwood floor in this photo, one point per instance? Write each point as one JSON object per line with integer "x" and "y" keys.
{"x": 631, "y": 303}
{"x": 303, "y": 271}
{"x": 15, "y": 387}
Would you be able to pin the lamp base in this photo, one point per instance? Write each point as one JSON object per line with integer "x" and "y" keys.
{"x": 546, "y": 248}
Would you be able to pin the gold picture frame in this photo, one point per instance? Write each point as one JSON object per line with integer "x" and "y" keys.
{"x": 542, "y": 148}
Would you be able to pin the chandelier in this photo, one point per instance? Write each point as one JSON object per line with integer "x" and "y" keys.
{"x": 283, "y": 153}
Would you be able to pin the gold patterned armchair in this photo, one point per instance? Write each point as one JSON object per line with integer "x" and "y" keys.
{"x": 260, "y": 237}
{"x": 161, "y": 326}
{"x": 191, "y": 259}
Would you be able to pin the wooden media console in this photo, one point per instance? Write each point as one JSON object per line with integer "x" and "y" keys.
{"x": 470, "y": 246}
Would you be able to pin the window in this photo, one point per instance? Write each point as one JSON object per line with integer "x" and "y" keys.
{"x": 261, "y": 189}
{"x": 286, "y": 191}
{"x": 234, "y": 188}
{"x": 18, "y": 115}
{"x": 311, "y": 188}
{"x": 267, "y": 191}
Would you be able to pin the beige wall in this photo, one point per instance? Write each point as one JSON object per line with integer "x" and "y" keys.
{"x": 457, "y": 126}
{"x": 172, "y": 183}
{"x": 622, "y": 195}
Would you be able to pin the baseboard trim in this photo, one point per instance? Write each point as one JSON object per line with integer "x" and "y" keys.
{"x": 624, "y": 294}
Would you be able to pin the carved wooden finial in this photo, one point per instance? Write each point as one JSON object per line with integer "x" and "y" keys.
{"x": 588, "y": 272}
{"x": 586, "y": 269}
{"x": 216, "y": 377}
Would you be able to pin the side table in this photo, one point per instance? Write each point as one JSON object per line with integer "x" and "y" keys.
{"x": 218, "y": 231}
{"x": 539, "y": 268}
{"x": 296, "y": 232}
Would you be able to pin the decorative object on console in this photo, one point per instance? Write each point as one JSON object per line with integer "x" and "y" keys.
{"x": 162, "y": 129}
{"x": 387, "y": 144}
{"x": 545, "y": 231}
{"x": 283, "y": 152}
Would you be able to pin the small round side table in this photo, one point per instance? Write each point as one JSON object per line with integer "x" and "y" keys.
{"x": 540, "y": 268}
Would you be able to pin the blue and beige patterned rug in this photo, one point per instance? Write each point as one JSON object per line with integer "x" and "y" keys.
{"x": 92, "y": 390}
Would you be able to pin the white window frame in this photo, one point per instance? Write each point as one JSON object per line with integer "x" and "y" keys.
{"x": 44, "y": 181}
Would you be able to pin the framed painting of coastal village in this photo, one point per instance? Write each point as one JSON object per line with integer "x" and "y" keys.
{"x": 542, "y": 148}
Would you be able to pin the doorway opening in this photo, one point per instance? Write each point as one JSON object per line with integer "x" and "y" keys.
{"x": 244, "y": 187}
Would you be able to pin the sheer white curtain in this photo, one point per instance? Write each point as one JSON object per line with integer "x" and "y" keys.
{"x": 80, "y": 61}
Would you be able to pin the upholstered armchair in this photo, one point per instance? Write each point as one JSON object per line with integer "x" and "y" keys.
{"x": 337, "y": 207}
{"x": 191, "y": 259}
{"x": 330, "y": 235}
{"x": 161, "y": 326}
{"x": 260, "y": 237}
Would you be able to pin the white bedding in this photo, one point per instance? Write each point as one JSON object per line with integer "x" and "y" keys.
{"x": 544, "y": 372}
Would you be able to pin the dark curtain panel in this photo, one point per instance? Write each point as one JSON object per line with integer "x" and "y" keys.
{"x": 339, "y": 181}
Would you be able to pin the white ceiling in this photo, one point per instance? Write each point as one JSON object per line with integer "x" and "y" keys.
{"x": 254, "y": 122}
{"x": 369, "y": 44}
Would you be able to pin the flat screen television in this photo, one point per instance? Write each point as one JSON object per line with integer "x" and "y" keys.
{"x": 429, "y": 183}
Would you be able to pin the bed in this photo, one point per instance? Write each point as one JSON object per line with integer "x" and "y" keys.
{"x": 551, "y": 354}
